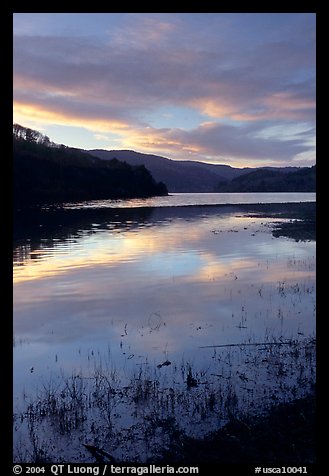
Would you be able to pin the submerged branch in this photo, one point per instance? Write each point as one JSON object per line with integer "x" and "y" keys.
{"x": 249, "y": 343}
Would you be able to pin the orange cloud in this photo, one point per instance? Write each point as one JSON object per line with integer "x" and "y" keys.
{"x": 24, "y": 113}
{"x": 214, "y": 108}
{"x": 276, "y": 106}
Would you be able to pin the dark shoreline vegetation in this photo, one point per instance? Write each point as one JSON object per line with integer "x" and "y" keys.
{"x": 286, "y": 435}
{"x": 44, "y": 172}
{"x": 83, "y": 414}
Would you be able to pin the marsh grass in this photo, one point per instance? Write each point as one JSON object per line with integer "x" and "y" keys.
{"x": 136, "y": 420}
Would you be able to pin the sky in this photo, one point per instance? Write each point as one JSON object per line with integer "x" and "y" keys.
{"x": 222, "y": 88}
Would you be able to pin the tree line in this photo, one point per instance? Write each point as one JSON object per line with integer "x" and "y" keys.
{"x": 268, "y": 180}
{"x": 45, "y": 172}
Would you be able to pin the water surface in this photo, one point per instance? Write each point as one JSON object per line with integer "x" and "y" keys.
{"x": 155, "y": 286}
{"x": 126, "y": 290}
{"x": 187, "y": 199}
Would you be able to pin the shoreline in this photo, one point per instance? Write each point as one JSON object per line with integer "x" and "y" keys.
{"x": 286, "y": 435}
{"x": 302, "y": 215}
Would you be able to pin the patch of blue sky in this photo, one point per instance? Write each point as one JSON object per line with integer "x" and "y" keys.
{"x": 80, "y": 137}
{"x": 286, "y": 131}
{"x": 175, "y": 117}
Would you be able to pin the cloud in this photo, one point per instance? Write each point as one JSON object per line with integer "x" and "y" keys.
{"x": 124, "y": 74}
{"x": 142, "y": 32}
{"x": 112, "y": 83}
{"x": 213, "y": 140}
{"x": 58, "y": 114}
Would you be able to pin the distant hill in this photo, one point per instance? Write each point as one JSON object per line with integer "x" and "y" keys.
{"x": 273, "y": 180}
{"x": 45, "y": 172}
{"x": 188, "y": 176}
{"x": 48, "y": 172}
{"x": 179, "y": 176}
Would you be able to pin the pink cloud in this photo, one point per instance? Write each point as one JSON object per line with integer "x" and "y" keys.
{"x": 153, "y": 62}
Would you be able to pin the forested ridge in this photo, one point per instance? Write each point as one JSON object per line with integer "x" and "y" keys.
{"x": 193, "y": 176}
{"x": 45, "y": 172}
{"x": 272, "y": 180}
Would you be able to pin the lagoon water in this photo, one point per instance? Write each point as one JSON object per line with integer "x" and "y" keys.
{"x": 188, "y": 199}
{"x": 129, "y": 285}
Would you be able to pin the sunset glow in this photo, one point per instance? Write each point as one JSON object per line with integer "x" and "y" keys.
{"x": 188, "y": 86}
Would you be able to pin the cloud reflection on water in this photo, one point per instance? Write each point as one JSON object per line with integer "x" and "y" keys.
{"x": 100, "y": 296}
{"x": 204, "y": 270}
